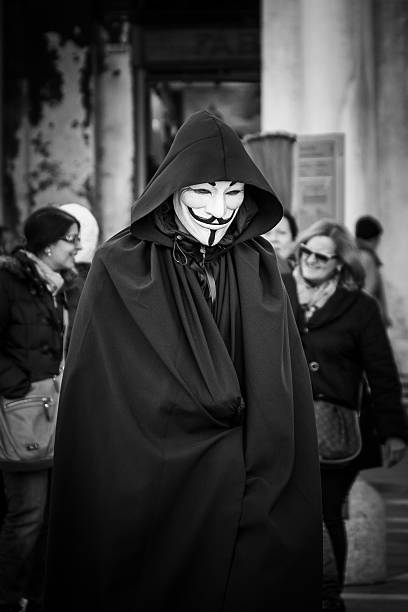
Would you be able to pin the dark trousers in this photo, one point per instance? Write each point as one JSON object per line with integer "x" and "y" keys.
{"x": 23, "y": 535}
{"x": 331, "y": 587}
{"x": 336, "y": 485}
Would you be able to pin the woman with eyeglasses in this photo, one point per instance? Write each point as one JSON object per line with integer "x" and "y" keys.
{"x": 33, "y": 315}
{"x": 345, "y": 341}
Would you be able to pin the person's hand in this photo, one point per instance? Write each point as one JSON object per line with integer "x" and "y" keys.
{"x": 393, "y": 451}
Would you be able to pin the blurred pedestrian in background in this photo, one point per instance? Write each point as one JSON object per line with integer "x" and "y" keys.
{"x": 282, "y": 238}
{"x": 9, "y": 239}
{"x": 345, "y": 343}
{"x": 89, "y": 236}
{"x": 283, "y": 235}
{"x": 32, "y": 321}
{"x": 368, "y": 232}
{"x": 83, "y": 257}
{"x": 193, "y": 483}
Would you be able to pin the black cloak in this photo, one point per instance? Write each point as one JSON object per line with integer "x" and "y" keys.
{"x": 186, "y": 471}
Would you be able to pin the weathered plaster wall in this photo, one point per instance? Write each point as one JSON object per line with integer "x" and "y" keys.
{"x": 70, "y": 111}
{"x": 55, "y": 160}
{"x": 49, "y": 141}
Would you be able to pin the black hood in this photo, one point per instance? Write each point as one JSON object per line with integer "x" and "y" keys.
{"x": 206, "y": 149}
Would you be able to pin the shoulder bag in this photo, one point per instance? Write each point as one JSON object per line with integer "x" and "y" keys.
{"x": 338, "y": 433}
{"x": 28, "y": 424}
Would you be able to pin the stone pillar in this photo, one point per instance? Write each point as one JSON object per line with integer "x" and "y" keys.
{"x": 366, "y": 533}
{"x": 18, "y": 167}
{"x": 391, "y": 203}
{"x": 318, "y": 77}
{"x": 339, "y": 95}
{"x": 281, "y": 76}
{"x": 115, "y": 125}
{"x": 142, "y": 116}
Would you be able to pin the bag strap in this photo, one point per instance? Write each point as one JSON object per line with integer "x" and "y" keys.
{"x": 57, "y": 379}
{"x": 65, "y": 318}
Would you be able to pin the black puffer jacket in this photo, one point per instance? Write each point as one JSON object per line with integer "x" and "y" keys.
{"x": 31, "y": 327}
{"x": 342, "y": 340}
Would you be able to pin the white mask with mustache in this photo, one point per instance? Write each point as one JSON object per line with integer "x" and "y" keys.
{"x": 206, "y": 210}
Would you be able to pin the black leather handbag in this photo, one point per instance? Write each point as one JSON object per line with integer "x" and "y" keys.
{"x": 338, "y": 433}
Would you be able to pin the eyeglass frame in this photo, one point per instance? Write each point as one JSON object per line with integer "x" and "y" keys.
{"x": 72, "y": 239}
{"x": 321, "y": 257}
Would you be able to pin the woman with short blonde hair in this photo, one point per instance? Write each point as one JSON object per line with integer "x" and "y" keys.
{"x": 346, "y": 343}
{"x": 350, "y": 269}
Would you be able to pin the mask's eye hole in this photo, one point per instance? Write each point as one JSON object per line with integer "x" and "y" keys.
{"x": 202, "y": 191}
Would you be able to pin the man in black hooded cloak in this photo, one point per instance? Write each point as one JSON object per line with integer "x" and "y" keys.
{"x": 186, "y": 473}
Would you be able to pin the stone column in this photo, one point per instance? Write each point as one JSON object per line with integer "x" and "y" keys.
{"x": 115, "y": 125}
{"x": 318, "y": 77}
{"x": 338, "y": 90}
{"x": 140, "y": 96}
{"x": 281, "y": 76}
{"x": 391, "y": 201}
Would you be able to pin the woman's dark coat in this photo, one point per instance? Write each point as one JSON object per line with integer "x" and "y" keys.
{"x": 186, "y": 472}
{"x": 31, "y": 330}
{"x": 342, "y": 340}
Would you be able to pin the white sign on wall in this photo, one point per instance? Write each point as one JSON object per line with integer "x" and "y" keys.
{"x": 319, "y": 182}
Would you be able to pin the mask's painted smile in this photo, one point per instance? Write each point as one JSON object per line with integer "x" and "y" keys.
{"x": 211, "y": 221}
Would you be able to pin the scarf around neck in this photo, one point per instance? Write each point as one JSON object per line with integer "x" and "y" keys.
{"x": 52, "y": 279}
{"x": 312, "y": 297}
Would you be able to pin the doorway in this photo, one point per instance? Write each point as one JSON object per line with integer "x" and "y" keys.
{"x": 171, "y": 102}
